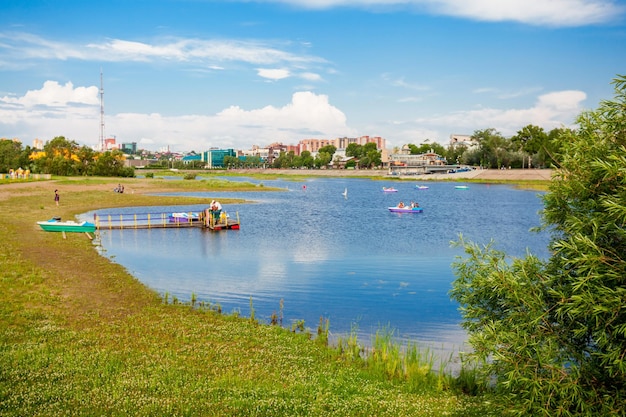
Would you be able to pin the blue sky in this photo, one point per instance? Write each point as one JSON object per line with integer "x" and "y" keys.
{"x": 194, "y": 74}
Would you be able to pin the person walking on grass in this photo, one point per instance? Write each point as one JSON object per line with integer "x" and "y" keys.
{"x": 56, "y": 197}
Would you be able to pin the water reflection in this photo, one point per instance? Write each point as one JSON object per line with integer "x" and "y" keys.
{"x": 346, "y": 259}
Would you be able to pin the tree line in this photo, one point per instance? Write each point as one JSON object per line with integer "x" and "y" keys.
{"x": 530, "y": 147}
{"x": 61, "y": 156}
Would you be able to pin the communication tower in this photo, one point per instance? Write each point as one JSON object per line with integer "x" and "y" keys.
{"x": 102, "y": 145}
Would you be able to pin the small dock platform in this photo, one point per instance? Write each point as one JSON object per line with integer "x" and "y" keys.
{"x": 204, "y": 219}
{"x": 219, "y": 221}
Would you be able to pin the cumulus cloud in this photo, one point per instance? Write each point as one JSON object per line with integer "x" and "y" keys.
{"x": 550, "y": 111}
{"x": 65, "y": 110}
{"x": 532, "y": 12}
{"x": 54, "y": 94}
{"x": 73, "y": 112}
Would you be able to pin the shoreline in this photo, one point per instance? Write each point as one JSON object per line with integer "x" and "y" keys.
{"x": 475, "y": 174}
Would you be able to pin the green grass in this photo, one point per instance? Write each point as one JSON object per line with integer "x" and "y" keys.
{"x": 80, "y": 336}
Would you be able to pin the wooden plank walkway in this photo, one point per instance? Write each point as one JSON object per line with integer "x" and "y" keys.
{"x": 163, "y": 221}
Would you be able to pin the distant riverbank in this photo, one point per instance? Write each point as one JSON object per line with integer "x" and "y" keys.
{"x": 475, "y": 174}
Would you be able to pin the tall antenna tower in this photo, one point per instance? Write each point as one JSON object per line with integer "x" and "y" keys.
{"x": 101, "y": 112}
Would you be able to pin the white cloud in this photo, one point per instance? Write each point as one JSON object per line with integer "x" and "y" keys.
{"x": 531, "y": 12}
{"x": 310, "y": 76}
{"x": 54, "y": 94}
{"x": 273, "y": 74}
{"x": 74, "y": 112}
{"x": 400, "y": 82}
{"x": 202, "y": 53}
{"x": 550, "y": 111}
{"x": 505, "y": 95}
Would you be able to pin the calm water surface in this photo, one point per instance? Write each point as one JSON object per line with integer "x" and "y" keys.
{"x": 347, "y": 259}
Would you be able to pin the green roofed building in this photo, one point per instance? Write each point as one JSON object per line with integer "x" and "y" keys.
{"x": 191, "y": 158}
{"x": 214, "y": 158}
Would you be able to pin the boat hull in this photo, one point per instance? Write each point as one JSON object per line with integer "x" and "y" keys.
{"x": 67, "y": 227}
{"x": 406, "y": 210}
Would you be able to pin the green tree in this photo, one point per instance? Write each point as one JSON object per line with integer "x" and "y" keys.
{"x": 231, "y": 162}
{"x": 252, "y": 162}
{"x": 284, "y": 160}
{"x": 329, "y": 149}
{"x": 552, "y": 334}
{"x": 554, "y": 145}
{"x": 60, "y": 157}
{"x": 538, "y": 148}
{"x": 354, "y": 150}
{"x": 492, "y": 147}
{"x": 307, "y": 159}
{"x": 296, "y": 162}
{"x": 454, "y": 154}
{"x": 323, "y": 159}
{"x": 111, "y": 164}
{"x": 86, "y": 159}
{"x": 427, "y": 147}
{"x": 10, "y": 153}
{"x": 530, "y": 138}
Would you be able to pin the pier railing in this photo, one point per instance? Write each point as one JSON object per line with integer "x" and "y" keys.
{"x": 145, "y": 221}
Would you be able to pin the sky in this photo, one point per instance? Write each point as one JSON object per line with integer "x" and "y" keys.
{"x": 198, "y": 74}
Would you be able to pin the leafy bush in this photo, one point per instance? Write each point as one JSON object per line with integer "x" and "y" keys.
{"x": 552, "y": 335}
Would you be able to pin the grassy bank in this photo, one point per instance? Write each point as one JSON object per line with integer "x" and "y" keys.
{"x": 80, "y": 336}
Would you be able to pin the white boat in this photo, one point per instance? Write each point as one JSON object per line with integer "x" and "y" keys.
{"x": 405, "y": 209}
{"x": 389, "y": 190}
{"x": 184, "y": 217}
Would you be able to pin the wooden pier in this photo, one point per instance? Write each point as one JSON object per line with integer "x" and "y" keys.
{"x": 205, "y": 219}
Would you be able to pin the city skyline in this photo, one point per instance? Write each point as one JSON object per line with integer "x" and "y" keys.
{"x": 201, "y": 74}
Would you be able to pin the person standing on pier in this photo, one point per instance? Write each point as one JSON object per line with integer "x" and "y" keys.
{"x": 216, "y": 209}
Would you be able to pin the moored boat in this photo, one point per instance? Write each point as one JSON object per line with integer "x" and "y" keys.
{"x": 389, "y": 190}
{"x": 183, "y": 217}
{"x": 461, "y": 187}
{"x": 422, "y": 187}
{"x": 68, "y": 226}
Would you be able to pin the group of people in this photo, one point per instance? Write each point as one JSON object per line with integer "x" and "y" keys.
{"x": 119, "y": 188}
{"x": 414, "y": 204}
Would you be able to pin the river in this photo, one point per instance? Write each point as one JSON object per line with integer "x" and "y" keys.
{"x": 344, "y": 258}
